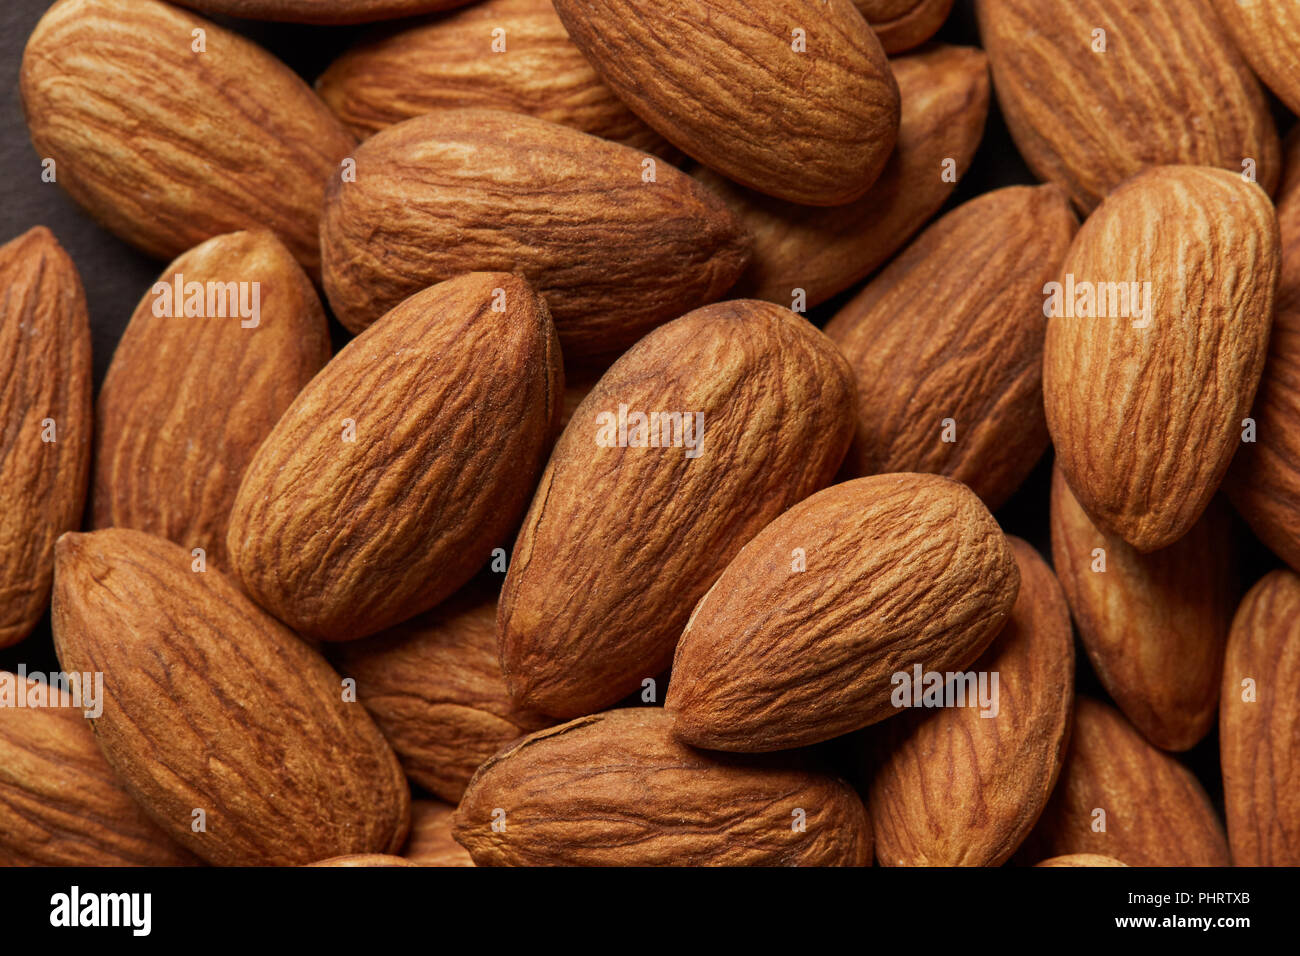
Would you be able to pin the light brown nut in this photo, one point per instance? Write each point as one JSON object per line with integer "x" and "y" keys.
{"x": 211, "y": 705}
{"x": 1169, "y": 89}
{"x": 431, "y": 842}
{"x": 189, "y": 398}
{"x": 1259, "y": 725}
{"x": 795, "y": 102}
{"x": 963, "y": 786}
{"x": 621, "y": 540}
{"x": 365, "y": 860}
{"x": 45, "y": 420}
{"x": 945, "y": 100}
{"x": 615, "y": 789}
{"x": 1154, "y": 625}
{"x": 1267, "y": 32}
{"x": 434, "y": 687}
{"x": 1129, "y": 392}
{"x": 60, "y": 804}
{"x": 463, "y": 190}
{"x": 956, "y": 389}
{"x": 801, "y": 637}
{"x": 1118, "y": 796}
{"x": 1288, "y": 217}
{"x": 1081, "y": 859}
{"x": 903, "y": 24}
{"x": 398, "y": 469}
{"x": 321, "y": 11}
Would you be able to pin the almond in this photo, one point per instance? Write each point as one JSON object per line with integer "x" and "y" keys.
{"x": 793, "y": 102}
{"x": 799, "y": 639}
{"x": 45, "y": 420}
{"x": 365, "y": 859}
{"x": 945, "y": 100}
{"x": 623, "y": 537}
{"x": 903, "y": 24}
{"x": 321, "y": 11}
{"x": 1154, "y": 625}
{"x": 460, "y": 190}
{"x": 1081, "y": 859}
{"x": 1130, "y": 390}
{"x": 168, "y": 145}
{"x": 1096, "y": 90}
{"x": 963, "y": 786}
{"x": 398, "y": 469}
{"x": 1120, "y": 797}
{"x": 188, "y": 398}
{"x": 1259, "y": 725}
{"x": 1267, "y": 33}
{"x": 431, "y": 842}
{"x": 615, "y": 789}
{"x": 1288, "y": 216}
{"x": 957, "y": 389}
{"x": 229, "y": 730}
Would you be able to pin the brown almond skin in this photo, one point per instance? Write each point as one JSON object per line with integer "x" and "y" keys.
{"x": 188, "y": 400}
{"x": 615, "y": 789}
{"x": 434, "y": 687}
{"x": 60, "y": 804}
{"x": 1124, "y": 404}
{"x": 449, "y": 63}
{"x": 167, "y": 147}
{"x": 322, "y": 11}
{"x": 365, "y": 859}
{"x": 462, "y": 190}
{"x": 945, "y": 101}
{"x": 431, "y": 842}
{"x": 814, "y": 127}
{"x": 900, "y": 570}
{"x": 1267, "y": 33}
{"x": 1288, "y": 217}
{"x": 1081, "y": 859}
{"x": 454, "y": 406}
{"x": 1170, "y": 89}
{"x": 45, "y": 368}
{"x": 1154, "y": 625}
{"x": 211, "y": 704}
{"x": 903, "y": 24}
{"x": 619, "y": 543}
{"x": 953, "y": 788}
{"x": 971, "y": 349}
{"x": 1157, "y": 814}
{"x": 1259, "y": 740}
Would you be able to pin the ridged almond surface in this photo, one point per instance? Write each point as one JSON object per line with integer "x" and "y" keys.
{"x": 1259, "y": 739}
{"x": 60, "y": 804}
{"x": 45, "y": 385}
{"x": 434, "y": 686}
{"x": 321, "y": 11}
{"x": 798, "y": 640}
{"x": 1169, "y": 89}
{"x": 733, "y": 88}
{"x": 1267, "y": 32}
{"x": 621, "y": 540}
{"x": 1081, "y": 859}
{"x": 463, "y": 190}
{"x": 398, "y": 469}
{"x": 212, "y": 705}
{"x": 365, "y": 860}
{"x": 1145, "y": 420}
{"x": 188, "y": 399}
{"x": 1154, "y": 625}
{"x": 903, "y": 24}
{"x": 1155, "y": 811}
{"x": 168, "y": 147}
{"x": 970, "y": 350}
{"x": 823, "y": 251}
{"x": 452, "y": 62}
{"x": 431, "y": 842}
{"x": 615, "y": 789}
{"x": 956, "y": 787}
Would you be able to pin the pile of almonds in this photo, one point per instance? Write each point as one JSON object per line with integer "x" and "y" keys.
{"x": 589, "y": 533}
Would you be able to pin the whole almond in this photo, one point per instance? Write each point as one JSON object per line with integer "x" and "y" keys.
{"x": 461, "y": 190}
{"x": 903, "y": 24}
{"x": 398, "y": 469}
{"x": 963, "y": 786}
{"x": 957, "y": 389}
{"x": 660, "y": 803}
{"x": 431, "y": 842}
{"x": 167, "y": 145}
{"x": 823, "y": 251}
{"x": 1127, "y": 393}
{"x": 60, "y": 804}
{"x": 189, "y": 398}
{"x": 45, "y": 420}
{"x": 796, "y": 103}
{"x": 434, "y": 687}
{"x": 321, "y": 11}
{"x": 1267, "y": 33}
{"x": 1096, "y": 90}
{"x": 800, "y": 638}
{"x": 1154, "y": 625}
{"x": 1259, "y": 725}
{"x": 1081, "y": 859}
{"x": 211, "y": 705}
{"x": 1118, "y": 796}
{"x": 622, "y": 540}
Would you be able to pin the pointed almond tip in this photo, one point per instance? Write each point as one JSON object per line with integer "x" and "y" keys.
{"x": 68, "y": 544}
